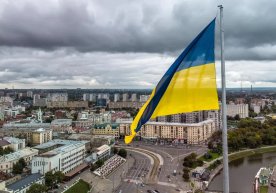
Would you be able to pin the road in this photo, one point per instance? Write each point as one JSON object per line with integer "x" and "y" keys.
{"x": 136, "y": 174}
{"x": 172, "y": 160}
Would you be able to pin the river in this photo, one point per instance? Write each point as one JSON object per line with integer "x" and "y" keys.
{"x": 243, "y": 171}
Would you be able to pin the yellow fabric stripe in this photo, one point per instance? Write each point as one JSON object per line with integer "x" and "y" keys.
{"x": 134, "y": 124}
{"x": 190, "y": 90}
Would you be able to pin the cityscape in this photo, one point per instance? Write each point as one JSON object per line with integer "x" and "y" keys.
{"x": 65, "y": 138}
{"x": 137, "y": 96}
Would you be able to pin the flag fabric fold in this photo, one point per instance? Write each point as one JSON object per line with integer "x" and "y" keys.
{"x": 188, "y": 85}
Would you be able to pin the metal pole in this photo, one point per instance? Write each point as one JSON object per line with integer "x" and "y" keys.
{"x": 224, "y": 110}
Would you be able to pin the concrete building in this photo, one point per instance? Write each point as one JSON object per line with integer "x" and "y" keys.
{"x": 35, "y": 98}
{"x": 256, "y": 108}
{"x": 13, "y": 111}
{"x": 30, "y": 93}
{"x": 125, "y": 97}
{"x": 237, "y": 109}
{"x": 106, "y": 129}
{"x": 116, "y": 97}
{"x": 126, "y": 104}
{"x": 62, "y": 125}
{"x": 14, "y": 143}
{"x": 214, "y": 115}
{"x": 133, "y": 97}
{"x": 57, "y": 97}
{"x": 23, "y": 185}
{"x": 33, "y": 133}
{"x": 7, "y": 161}
{"x": 144, "y": 98}
{"x": 194, "y": 133}
{"x": 102, "y": 152}
{"x": 59, "y": 155}
{"x": 67, "y": 104}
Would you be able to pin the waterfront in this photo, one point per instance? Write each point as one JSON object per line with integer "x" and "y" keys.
{"x": 242, "y": 172}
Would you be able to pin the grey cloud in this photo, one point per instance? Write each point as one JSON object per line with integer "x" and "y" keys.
{"x": 136, "y": 26}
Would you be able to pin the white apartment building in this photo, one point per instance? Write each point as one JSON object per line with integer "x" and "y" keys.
{"x": 13, "y": 111}
{"x": 134, "y": 97}
{"x": 194, "y": 133}
{"x": 89, "y": 97}
{"x": 116, "y": 97}
{"x": 14, "y": 143}
{"x": 7, "y": 161}
{"x": 30, "y": 93}
{"x": 57, "y": 97}
{"x": 125, "y": 97}
{"x": 237, "y": 109}
{"x": 59, "y": 155}
{"x": 102, "y": 152}
{"x": 144, "y": 98}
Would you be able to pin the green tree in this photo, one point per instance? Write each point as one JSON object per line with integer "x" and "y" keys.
{"x": 8, "y": 150}
{"x": 37, "y": 188}
{"x": 19, "y": 166}
{"x": 99, "y": 163}
{"x": 115, "y": 150}
{"x": 59, "y": 176}
{"x": 122, "y": 153}
{"x": 93, "y": 167}
{"x": 22, "y": 162}
{"x": 1, "y": 151}
{"x": 186, "y": 176}
{"x": 49, "y": 179}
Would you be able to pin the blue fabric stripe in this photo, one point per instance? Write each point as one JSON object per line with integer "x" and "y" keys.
{"x": 203, "y": 52}
{"x": 165, "y": 81}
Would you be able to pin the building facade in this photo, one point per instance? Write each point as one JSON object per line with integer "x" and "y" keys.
{"x": 59, "y": 155}
{"x": 33, "y": 133}
{"x": 195, "y": 133}
{"x": 7, "y": 161}
{"x": 237, "y": 109}
{"x": 106, "y": 129}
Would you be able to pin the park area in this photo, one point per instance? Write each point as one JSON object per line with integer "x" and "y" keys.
{"x": 80, "y": 187}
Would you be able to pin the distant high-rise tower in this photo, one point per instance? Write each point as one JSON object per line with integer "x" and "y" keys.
{"x": 39, "y": 115}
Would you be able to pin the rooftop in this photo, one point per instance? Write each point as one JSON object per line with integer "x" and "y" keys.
{"x": 174, "y": 124}
{"x": 104, "y": 125}
{"x": 27, "y": 181}
{"x": 102, "y": 149}
{"x": 14, "y": 140}
{"x": 61, "y": 146}
{"x": 18, "y": 154}
{"x": 62, "y": 122}
{"x": 26, "y": 125}
{"x": 3, "y": 142}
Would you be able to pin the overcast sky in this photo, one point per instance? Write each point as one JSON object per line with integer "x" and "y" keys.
{"x": 128, "y": 44}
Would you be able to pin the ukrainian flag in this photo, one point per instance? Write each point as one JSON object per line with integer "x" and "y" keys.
{"x": 188, "y": 85}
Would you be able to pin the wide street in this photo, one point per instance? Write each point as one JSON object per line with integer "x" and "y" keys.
{"x": 172, "y": 156}
{"x": 133, "y": 175}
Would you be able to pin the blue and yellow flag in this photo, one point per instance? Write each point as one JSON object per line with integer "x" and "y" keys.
{"x": 188, "y": 85}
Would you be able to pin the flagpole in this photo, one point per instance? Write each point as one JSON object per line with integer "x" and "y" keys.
{"x": 224, "y": 110}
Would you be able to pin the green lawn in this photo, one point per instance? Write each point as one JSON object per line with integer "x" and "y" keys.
{"x": 263, "y": 189}
{"x": 214, "y": 156}
{"x": 80, "y": 187}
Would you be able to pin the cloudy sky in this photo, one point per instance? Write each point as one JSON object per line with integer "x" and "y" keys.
{"x": 128, "y": 44}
